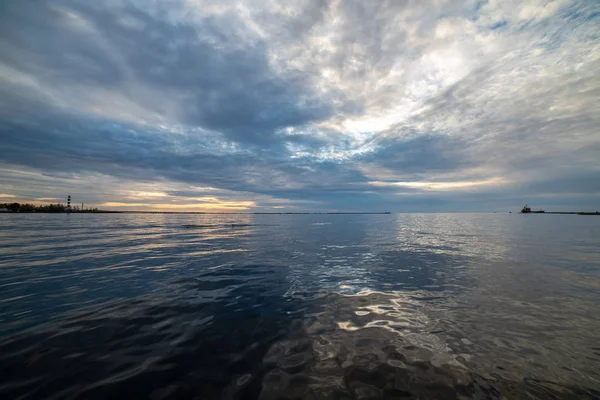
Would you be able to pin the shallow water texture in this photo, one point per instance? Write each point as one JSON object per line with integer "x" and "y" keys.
{"x": 150, "y": 306}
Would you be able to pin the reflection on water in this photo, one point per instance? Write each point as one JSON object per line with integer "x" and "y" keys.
{"x": 299, "y": 306}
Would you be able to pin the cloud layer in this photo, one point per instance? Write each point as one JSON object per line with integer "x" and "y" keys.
{"x": 320, "y": 105}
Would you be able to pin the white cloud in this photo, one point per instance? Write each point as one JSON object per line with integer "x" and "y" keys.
{"x": 434, "y": 186}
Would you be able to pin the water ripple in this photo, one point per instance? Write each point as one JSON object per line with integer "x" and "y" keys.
{"x": 284, "y": 307}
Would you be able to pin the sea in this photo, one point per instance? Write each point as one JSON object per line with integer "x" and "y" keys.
{"x": 241, "y": 306}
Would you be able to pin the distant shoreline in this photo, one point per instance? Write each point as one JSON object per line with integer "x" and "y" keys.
{"x": 280, "y": 213}
{"x": 191, "y": 212}
{"x": 564, "y": 213}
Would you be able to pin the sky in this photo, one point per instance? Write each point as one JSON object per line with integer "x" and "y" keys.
{"x": 310, "y": 105}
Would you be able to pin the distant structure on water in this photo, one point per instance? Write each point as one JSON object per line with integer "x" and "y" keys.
{"x": 527, "y": 210}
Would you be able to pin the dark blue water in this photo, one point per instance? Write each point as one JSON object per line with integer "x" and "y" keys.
{"x": 299, "y": 306}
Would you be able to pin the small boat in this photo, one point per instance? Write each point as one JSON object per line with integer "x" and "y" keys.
{"x": 527, "y": 210}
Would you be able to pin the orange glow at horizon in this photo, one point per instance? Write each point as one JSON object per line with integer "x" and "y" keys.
{"x": 212, "y": 206}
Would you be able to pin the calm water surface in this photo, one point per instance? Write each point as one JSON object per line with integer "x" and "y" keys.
{"x": 299, "y": 306}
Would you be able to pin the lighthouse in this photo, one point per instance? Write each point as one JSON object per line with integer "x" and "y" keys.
{"x": 68, "y": 203}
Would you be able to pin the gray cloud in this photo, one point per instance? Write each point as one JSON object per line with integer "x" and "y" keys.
{"x": 214, "y": 76}
{"x": 317, "y": 104}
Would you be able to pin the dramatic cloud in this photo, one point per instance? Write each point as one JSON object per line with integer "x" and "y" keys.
{"x": 259, "y": 105}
